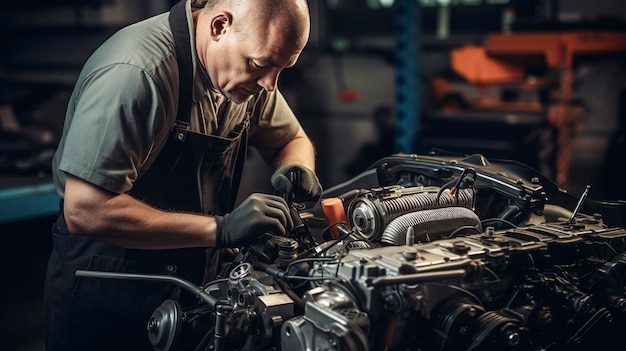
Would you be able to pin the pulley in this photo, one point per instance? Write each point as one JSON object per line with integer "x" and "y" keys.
{"x": 164, "y": 325}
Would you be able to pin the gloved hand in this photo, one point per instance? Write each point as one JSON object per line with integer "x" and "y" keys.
{"x": 257, "y": 215}
{"x": 308, "y": 188}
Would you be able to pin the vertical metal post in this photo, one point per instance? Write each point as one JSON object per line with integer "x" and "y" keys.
{"x": 408, "y": 92}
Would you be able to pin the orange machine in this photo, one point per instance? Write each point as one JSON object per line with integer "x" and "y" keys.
{"x": 504, "y": 56}
{"x": 486, "y": 79}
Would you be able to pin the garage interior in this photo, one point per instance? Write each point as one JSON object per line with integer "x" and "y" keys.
{"x": 542, "y": 82}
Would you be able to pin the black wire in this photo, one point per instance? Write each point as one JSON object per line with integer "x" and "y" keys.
{"x": 610, "y": 247}
{"x": 297, "y": 277}
{"x": 457, "y": 230}
{"x": 532, "y": 260}
{"x": 215, "y": 281}
{"x": 337, "y": 240}
{"x": 492, "y": 273}
{"x": 308, "y": 259}
{"x": 457, "y": 185}
{"x": 343, "y": 247}
{"x": 442, "y": 189}
{"x": 514, "y": 296}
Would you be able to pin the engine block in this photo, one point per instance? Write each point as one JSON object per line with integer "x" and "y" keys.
{"x": 424, "y": 253}
{"x": 550, "y": 286}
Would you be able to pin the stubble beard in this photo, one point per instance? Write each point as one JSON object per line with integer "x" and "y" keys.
{"x": 237, "y": 98}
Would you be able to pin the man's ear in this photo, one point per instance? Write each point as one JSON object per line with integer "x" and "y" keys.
{"x": 220, "y": 23}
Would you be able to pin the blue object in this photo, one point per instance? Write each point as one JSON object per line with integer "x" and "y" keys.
{"x": 28, "y": 202}
{"x": 407, "y": 78}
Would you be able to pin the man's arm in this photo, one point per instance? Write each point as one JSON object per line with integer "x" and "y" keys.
{"x": 122, "y": 220}
{"x": 299, "y": 150}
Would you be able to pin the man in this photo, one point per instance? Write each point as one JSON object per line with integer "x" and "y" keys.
{"x": 150, "y": 159}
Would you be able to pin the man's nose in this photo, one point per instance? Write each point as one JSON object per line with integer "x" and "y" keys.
{"x": 269, "y": 80}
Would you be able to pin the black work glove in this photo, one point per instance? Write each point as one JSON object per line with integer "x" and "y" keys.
{"x": 257, "y": 215}
{"x": 307, "y": 186}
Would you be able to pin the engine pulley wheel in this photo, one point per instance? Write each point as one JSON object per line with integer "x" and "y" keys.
{"x": 164, "y": 325}
{"x": 493, "y": 329}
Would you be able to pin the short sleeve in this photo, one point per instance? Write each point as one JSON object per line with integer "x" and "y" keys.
{"x": 116, "y": 112}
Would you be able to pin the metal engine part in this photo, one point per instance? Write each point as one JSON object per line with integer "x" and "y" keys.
{"x": 373, "y": 211}
{"x": 507, "y": 290}
{"x": 165, "y": 325}
{"x": 430, "y": 225}
{"x": 501, "y": 260}
{"x": 332, "y": 322}
{"x": 258, "y": 307}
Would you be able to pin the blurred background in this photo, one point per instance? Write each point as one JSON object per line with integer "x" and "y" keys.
{"x": 537, "y": 81}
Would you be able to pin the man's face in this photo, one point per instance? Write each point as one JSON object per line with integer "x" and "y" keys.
{"x": 249, "y": 62}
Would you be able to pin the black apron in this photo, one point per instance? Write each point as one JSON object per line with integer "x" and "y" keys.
{"x": 192, "y": 173}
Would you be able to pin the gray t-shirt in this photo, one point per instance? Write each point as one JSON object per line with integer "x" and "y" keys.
{"x": 124, "y": 103}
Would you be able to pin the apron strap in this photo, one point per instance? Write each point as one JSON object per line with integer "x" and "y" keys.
{"x": 182, "y": 42}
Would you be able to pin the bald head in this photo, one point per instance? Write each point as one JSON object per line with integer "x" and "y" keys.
{"x": 256, "y": 17}
{"x": 290, "y": 17}
{"x": 244, "y": 45}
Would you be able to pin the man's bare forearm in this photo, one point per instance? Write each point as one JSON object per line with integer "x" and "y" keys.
{"x": 122, "y": 220}
{"x": 299, "y": 150}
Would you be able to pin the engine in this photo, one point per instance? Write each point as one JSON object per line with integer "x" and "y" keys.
{"x": 419, "y": 253}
